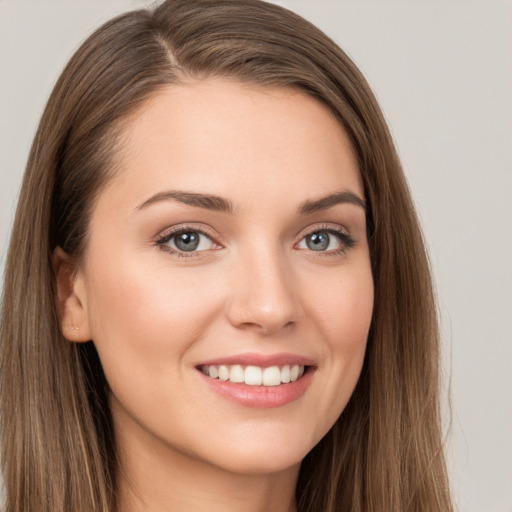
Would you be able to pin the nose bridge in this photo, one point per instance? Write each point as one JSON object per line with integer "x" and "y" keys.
{"x": 264, "y": 290}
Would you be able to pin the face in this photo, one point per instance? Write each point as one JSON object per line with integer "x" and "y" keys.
{"x": 226, "y": 283}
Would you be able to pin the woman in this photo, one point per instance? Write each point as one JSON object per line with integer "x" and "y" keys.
{"x": 217, "y": 295}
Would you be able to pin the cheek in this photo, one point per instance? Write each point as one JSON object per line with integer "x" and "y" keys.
{"x": 343, "y": 313}
{"x": 145, "y": 316}
{"x": 342, "y": 305}
{"x": 353, "y": 313}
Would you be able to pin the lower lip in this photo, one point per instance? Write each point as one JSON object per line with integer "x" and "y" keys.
{"x": 261, "y": 397}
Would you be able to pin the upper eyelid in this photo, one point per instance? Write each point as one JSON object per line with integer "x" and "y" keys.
{"x": 323, "y": 226}
{"x": 170, "y": 232}
{"x": 207, "y": 231}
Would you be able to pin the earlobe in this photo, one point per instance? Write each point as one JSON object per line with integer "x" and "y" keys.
{"x": 71, "y": 299}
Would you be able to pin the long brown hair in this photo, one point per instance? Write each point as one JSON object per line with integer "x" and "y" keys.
{"x": 384, "y": 454}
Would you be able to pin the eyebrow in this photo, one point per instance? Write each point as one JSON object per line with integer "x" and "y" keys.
{"x": 341, "y": 197}
{"x": 220, "y": 204}
{"x": 207, "y": 201}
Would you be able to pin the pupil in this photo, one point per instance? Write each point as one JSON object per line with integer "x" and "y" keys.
{"x": 187, "y": 241}
{"x": 318, "y": 241}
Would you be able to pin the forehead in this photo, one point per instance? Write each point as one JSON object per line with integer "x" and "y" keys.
{"x": 222, "y": 137}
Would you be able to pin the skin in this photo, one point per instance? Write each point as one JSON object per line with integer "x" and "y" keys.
{"x": 255, "y": 286}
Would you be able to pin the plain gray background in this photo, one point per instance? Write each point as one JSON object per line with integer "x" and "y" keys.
{"x": 442, "y": 72}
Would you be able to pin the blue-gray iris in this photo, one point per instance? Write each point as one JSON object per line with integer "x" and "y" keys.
{"x": 318, "y": 241}
{"x": 187, "y": 241}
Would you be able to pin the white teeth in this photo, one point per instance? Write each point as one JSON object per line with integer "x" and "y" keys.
{"x": 223, "y": 372}
{"x": 236, "y": 374}
{"x": 254, "y": 375}
{"x": 272, "y": 376}
{"x": 285, "y": 374}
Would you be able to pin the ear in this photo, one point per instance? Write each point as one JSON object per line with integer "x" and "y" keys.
{"x": 71, "y": 299}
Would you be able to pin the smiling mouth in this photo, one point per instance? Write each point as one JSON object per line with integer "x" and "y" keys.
{"x": 250, "y": 375}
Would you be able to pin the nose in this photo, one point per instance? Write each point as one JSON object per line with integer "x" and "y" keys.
{"x": 264, "y": 294}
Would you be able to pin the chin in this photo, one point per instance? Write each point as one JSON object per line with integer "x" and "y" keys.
{"x": 262, "y": 462}
{"x": 260, "y": 453}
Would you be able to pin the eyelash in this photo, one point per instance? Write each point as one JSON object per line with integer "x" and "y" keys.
{"x": 346, "y": 240}
{"x": 166, "y": 237}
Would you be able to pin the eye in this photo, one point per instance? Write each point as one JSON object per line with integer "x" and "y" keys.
{"x": 326, "y": 240}
{"x": 186, "y": 240}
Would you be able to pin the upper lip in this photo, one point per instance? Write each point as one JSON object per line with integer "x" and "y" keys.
{"x": 262, "y": 360}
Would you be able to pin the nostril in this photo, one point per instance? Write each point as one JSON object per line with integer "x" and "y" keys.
{"x": 266, "y": 320}
{"x": 264, "y": 297}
